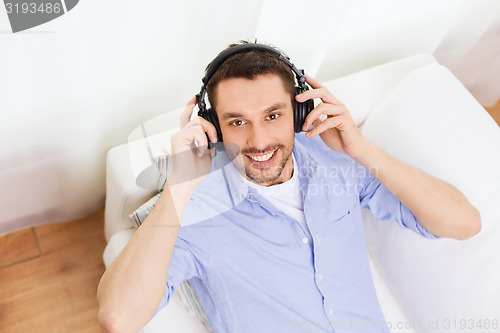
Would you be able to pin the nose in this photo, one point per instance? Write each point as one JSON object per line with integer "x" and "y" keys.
{"x": 259, "y": 136}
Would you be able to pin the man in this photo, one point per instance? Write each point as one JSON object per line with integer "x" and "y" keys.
{"x": 275, "y": 242}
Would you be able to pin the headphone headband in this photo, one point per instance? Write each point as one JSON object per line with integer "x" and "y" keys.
{"x": 300, "y": 109}
{"x": 221, "y": 58}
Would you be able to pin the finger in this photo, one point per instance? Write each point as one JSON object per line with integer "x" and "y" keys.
{"x": 334, "y": 137}
{"x": 198, "y": 139}
{"x": 324, "y": 94}
{"x": 185, "y": 116}
{"x": 188, "y": 138}
{"x": 207, "y": 127}
{"x": 202, "y": 143}
{"x": 323, "y": 108}
{"x": 312, "y": 82}
{"x": 334, "y": 122}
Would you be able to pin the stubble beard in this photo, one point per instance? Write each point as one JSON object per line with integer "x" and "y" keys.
{"x": 267, "y": 174}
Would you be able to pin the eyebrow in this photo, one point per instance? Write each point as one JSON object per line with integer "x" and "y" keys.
{"x": 230, "y": 115}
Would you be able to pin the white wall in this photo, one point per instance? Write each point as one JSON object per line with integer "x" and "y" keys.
{"x": 76, "y": 86}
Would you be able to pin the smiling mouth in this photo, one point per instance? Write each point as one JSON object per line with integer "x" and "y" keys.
{"x": 263, "y": 157}
{"x": 262, "y": 160}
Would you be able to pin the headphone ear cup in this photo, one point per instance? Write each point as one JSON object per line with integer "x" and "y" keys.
{"x": 301, "y": 110}
{"x": 211, "y": 116}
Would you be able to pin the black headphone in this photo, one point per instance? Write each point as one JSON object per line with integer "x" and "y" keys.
{"x": 300, "y": 110}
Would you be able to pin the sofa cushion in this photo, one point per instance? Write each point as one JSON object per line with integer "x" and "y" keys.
{"x": 362, "y": 91}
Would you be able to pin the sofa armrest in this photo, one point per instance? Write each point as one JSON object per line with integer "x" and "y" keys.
{"x": 123, "y": 195}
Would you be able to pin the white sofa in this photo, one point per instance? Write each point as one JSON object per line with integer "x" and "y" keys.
{"x": 417, "y": 111}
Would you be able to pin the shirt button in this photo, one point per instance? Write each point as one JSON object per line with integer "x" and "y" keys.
{"x": 304, "y": 240}
{"x": 320, "y": 276}
{"x": 330, "y": 312}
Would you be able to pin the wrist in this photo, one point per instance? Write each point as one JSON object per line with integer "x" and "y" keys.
{"x": 365, "y": 154}
{"x": 363, "y": 151}
{"x": 180, "y": 194}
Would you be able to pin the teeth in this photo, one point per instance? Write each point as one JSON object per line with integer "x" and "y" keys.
{"x": 261, "y": 158}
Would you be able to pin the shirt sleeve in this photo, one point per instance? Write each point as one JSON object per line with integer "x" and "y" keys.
{"x": 385, "y": 206}
{"x": 183, "y": 266}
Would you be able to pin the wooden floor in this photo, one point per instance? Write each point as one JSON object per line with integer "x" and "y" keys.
{"x": 494, "y": 111}
{"x": 49, "y": 274}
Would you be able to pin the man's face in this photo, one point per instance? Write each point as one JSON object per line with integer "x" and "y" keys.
{"x": 257, "y": 116}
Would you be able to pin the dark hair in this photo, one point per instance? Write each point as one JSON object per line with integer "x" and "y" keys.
{"x": 248, "y": 65}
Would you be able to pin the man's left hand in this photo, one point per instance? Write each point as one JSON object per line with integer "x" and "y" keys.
{"x": 338, "y": 130}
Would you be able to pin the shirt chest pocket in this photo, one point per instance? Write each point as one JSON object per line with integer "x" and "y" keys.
{"x": 345, "y": 213}
{"x": 344, "y": 216}
{"x": 347, "y": 223}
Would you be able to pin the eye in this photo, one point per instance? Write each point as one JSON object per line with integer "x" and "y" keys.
{"x": 273, "y": 116}
{"x": 237, "y": 123}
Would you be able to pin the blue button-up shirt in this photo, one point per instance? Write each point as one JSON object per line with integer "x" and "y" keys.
{"x": 254, "y": 268}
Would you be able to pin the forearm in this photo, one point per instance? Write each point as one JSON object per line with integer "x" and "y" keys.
{"x": 133, "y": 285}
{"x": 438, "y": 206}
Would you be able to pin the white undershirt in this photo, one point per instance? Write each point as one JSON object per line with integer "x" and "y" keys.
{"x": 286, "y": 197}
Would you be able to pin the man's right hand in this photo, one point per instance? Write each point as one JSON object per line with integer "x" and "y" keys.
{"x": 191, "y": 159}
{"x": 134, "y": 284}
